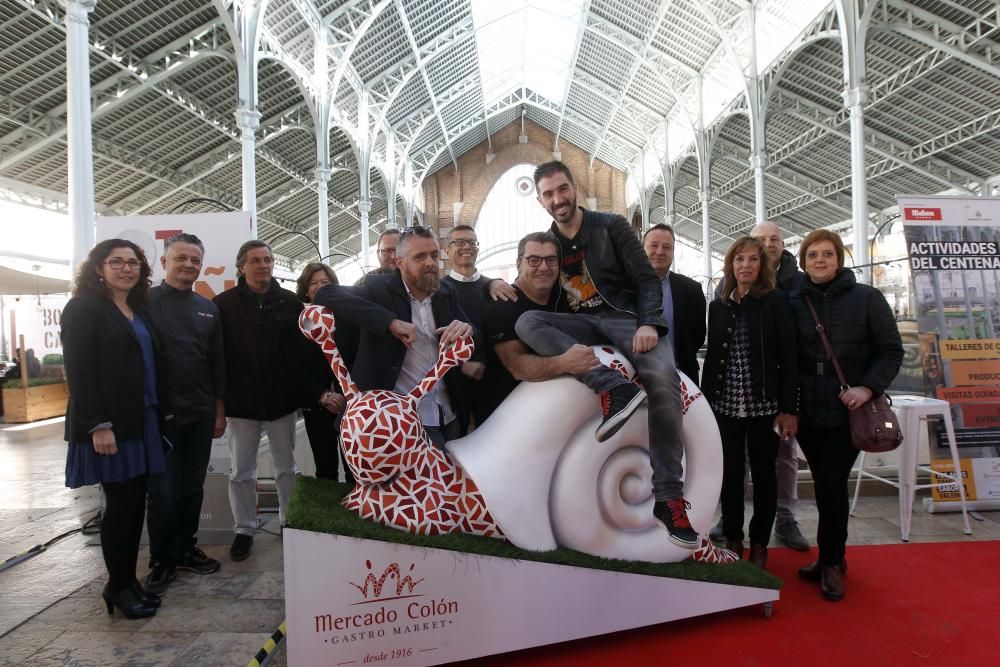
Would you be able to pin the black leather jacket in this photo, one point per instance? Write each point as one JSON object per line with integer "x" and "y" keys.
{"x": 619, "y": 267}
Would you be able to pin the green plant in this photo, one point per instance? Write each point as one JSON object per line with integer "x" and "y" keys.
{"x": 52, "y": 360}
{"x": 315, "y": 506}
{"x": 34, "y": 382}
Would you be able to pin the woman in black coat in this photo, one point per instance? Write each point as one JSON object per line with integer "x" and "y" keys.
{"x": 113, "y": 417}
{"x": 865, "y": 339}
{"x": 322, "y": 402}
{"x": 749, "y": 378}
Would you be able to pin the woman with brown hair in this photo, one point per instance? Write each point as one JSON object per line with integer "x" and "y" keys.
{"x": 865, "y": 339}
{"x": 749, "y": 378}
{"x": 322, "y": 402}
{"x": 113, "y": 417}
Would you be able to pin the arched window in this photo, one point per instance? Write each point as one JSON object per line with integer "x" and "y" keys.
{"x": 509, "y": 212}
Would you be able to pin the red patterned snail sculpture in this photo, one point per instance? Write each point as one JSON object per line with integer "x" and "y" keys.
{"x": 532, "y": 474}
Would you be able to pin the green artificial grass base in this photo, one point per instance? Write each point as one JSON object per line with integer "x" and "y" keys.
{"x": 315, "y": 506}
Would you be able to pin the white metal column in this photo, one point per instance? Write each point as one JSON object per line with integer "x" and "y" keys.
{"x": 81, "y": 152}
{"x": 856, "y": 98}
{"x": 365, "y": 206}
{"x": 323, "y": 230}
{"x": 248, "y": 120}
{"x": 853, "y": 18}
{"x": 364, "y": 178}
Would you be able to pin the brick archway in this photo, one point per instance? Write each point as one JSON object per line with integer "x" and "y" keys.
{"x": 454, "y": 196}
{"x": 482, "y": 185}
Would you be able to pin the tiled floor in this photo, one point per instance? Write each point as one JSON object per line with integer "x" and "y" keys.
{"x": 52, "y": 614}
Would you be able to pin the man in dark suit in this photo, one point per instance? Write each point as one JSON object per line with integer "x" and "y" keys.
{"x": 404, "y": 317}
{"x": 683, "y": 300}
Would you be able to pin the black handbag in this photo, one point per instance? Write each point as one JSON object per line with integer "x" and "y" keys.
{"x": 874, "y": 427}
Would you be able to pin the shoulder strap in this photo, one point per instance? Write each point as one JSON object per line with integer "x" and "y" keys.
{"x": 826, "y": 343}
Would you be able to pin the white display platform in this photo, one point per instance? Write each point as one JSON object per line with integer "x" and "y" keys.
{"x": 354, "y": 601}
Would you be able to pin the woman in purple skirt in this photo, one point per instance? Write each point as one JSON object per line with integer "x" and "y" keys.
{"x": 113, "y": 419}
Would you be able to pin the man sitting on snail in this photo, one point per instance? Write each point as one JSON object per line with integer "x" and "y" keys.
{"x": 615, "y": 299}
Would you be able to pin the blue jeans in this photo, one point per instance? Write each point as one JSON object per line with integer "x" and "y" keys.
{"x": 551, "y": 334}
{"x": 175, "y": 496}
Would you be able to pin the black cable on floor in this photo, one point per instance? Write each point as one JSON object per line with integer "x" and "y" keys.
{"x": 86, "y": 528}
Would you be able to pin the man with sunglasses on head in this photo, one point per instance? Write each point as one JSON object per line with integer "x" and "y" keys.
{"x": 404, "y": 317}
{"x": 510, "y": 360}
{"x": 615, "y": 299}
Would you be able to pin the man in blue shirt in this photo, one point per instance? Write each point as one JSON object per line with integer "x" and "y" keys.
{"x": 683, "y": 300}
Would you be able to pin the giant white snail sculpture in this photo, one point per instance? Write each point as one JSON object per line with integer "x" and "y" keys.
{"x": 532, "y": 473}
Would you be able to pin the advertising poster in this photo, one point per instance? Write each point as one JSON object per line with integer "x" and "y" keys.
{"x": 953, "y": 245}
{"x": 222, "y": 234}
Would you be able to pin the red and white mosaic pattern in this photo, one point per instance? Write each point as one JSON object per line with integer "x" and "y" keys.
{"x": 404, "y": 481}
{"x": 620, "y": 364}
{"x": 709, "y": 553}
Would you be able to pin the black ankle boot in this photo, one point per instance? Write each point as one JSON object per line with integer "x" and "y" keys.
{"x": 831, "y": 583}
{"x": 758, "y": 555}
{"x": 127, "y": 602}
{"x": 148, "y": 599}
{"x": 736, "y": 546}
{"x": 812, "y": 571}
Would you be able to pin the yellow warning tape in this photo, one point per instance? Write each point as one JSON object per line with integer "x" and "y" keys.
{"x": 272, "y": 643}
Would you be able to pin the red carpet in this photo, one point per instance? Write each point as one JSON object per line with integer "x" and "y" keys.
{"x": 899, "y": 609}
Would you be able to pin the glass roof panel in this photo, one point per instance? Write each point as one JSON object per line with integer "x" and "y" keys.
{"x": 525, "y": 44}
{"x": 780, "y": 24}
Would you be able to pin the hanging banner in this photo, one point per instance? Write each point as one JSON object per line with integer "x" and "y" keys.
{"x": 222, "y": 234}
{"x": 953, "y": 245}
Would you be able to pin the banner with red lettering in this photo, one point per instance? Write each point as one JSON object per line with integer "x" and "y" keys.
{"x": 222, "y": 234}
{"x": 954, "y": 252}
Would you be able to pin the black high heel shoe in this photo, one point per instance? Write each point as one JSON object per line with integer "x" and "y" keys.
{"x": 148, "y": 599}
{"x": 128, "y": 603}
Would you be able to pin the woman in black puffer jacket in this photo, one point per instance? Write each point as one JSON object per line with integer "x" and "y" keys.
{"x": 863, "y": 332}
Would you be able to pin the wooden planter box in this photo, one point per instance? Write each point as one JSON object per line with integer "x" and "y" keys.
{"x": 34, "y": 403}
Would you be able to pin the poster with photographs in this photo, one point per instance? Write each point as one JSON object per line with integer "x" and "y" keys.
{"x": 953, "y": 245}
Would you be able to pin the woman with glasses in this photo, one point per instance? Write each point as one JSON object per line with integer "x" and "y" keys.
{"x": 751, "y": 380}
{"x": 113, "y": 418}
{"x": 862, "y": 331}
{"x": 323, "y": 402}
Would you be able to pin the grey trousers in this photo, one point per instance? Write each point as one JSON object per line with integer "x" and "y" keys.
{"x": 551, "y": 334}
{"x": 787, "y": 468}
{"x": 244, "y": 441}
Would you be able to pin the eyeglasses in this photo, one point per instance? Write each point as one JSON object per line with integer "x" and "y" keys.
{"x": 534, "y": 261}
{"x": 117, "y": 263}
{"x": 462, "y": 243}
{"x": 387, "y": 251}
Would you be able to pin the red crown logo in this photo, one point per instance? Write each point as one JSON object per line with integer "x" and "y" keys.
{"x": 374, "y": 586}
